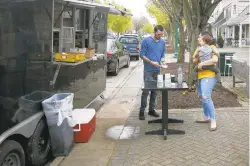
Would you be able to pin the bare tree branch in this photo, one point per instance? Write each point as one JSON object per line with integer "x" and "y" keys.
{"x": 198, "y": 14}
{"x": 188, "y": 14}
{"x": 188, "y": 19}
{"x": 169, "y": 6}
{"x": 211, "y": 8}
{"x": 193, "y": 6}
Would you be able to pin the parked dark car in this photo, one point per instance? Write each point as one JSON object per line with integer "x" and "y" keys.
{"x": 132, "y": 45}
{"x": 117, "y": 56}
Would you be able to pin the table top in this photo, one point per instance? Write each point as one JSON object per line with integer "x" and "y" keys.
{"x": 152, "y": 85}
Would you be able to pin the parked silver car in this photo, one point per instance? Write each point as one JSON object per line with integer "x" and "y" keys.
{"x": 117, "y": 56}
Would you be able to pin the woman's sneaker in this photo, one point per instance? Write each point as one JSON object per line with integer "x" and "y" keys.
{"x": 213, "y": 125}
{"x": 203, "y": 120}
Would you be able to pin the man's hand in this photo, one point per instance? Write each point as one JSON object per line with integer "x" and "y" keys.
{"x": 155, "y": 64}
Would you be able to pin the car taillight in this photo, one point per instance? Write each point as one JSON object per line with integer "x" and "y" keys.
{"x": 109, "y": 53}
{"x": 137, "y": 48}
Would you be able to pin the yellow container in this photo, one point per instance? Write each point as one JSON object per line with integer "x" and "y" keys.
{"x": 69, "y": 57}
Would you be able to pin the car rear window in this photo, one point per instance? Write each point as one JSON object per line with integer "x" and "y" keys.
{"x": 110, "y": 44}
{"x": 128, "y": 40}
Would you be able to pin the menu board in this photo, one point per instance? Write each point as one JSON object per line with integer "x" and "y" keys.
{"x": 100, "y": 28}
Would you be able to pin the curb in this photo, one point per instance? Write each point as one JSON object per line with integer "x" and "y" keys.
{"x": 57, "y": 161}
{"x": 222, "y": 109}
{"x": 121, "y": 85}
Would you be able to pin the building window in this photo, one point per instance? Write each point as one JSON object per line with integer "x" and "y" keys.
{"x": 234, "y": 10}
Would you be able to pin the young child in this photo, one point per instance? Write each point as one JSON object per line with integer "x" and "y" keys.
{"x": 204, "y": 53}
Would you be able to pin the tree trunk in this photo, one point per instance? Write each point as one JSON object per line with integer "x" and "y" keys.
{"x": 181, "y": 44}
{"x": 192, "y": 50}
{"x": 169, "y": 32}
{"x": 172, "y": 27}
{"x": 169, "y": 40}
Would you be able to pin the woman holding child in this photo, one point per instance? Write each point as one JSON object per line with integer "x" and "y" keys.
{"x": 206, "y": 57}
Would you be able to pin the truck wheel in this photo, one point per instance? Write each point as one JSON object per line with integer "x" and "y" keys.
{"x": 11, "y": 154}
{"x": 39, "y": 146}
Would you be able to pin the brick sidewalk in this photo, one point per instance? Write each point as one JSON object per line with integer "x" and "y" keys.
{"x": 227, "y": 146}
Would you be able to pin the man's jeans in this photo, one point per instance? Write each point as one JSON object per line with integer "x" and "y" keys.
{"x": 149, "y": 76}
{"x": 205, "y": 89}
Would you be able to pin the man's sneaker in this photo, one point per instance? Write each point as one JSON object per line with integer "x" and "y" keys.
{"x": 141, "y": 116}
{"x": 213, "y": 125}
{"x": 153, "y": 113}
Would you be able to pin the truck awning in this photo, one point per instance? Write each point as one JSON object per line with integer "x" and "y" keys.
{"x": 91, "y": 5}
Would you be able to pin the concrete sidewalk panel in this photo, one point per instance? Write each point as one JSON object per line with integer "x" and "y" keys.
{"x": 98, "y": 150}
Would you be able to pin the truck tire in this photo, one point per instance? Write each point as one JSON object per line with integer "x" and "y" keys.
{"x": 39, "y": 145}
{"x": 11, "y": 154}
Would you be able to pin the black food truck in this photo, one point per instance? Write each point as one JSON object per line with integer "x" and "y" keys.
{"x": 32, "y": 32}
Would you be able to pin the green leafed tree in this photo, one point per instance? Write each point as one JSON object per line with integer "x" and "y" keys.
{"x": 174, "y": 11}
{"x": 148, "y": 28}
{"x": 163, "y": 19}
{"x": 119, "y": 23}
{"x": 159, "y": 15}
{"x": 195, "y": 13}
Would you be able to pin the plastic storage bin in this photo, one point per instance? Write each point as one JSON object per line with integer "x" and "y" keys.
{"x": 33, "y": 101}
{"x": 221, "y": 63}
{"x": 69, "y": 57}
{"x": 86, "y": 123}
{"x": 58, "y": 112}
{"x": 29, "y": 105}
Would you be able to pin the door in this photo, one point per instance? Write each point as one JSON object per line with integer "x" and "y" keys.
{"x": 120, "y": 54}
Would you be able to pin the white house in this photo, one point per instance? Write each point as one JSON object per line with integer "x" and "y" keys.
{"x": 231, "y": 18}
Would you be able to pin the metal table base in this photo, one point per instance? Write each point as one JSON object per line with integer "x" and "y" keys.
{"x": 165, "y": 120}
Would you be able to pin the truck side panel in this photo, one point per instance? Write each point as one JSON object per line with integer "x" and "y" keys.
{"x": 26, "y": 39}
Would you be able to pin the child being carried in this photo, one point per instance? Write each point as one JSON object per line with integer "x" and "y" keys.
{"x": 204, "y": 53}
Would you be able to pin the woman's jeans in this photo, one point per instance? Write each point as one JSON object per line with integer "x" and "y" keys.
{"x": 149, "y": 76}
{"x": 205, "y": 89}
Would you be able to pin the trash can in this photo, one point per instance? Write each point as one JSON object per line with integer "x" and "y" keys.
{"x": 58, "y": 111}
{"x": 29, "y": 105}
{"x": 221, "y": 64}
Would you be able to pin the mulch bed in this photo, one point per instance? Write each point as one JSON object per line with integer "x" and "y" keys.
{"x": 177, "y": 100}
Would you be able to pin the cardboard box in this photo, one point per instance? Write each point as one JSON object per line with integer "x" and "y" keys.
{"x": 90, "y": 53}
